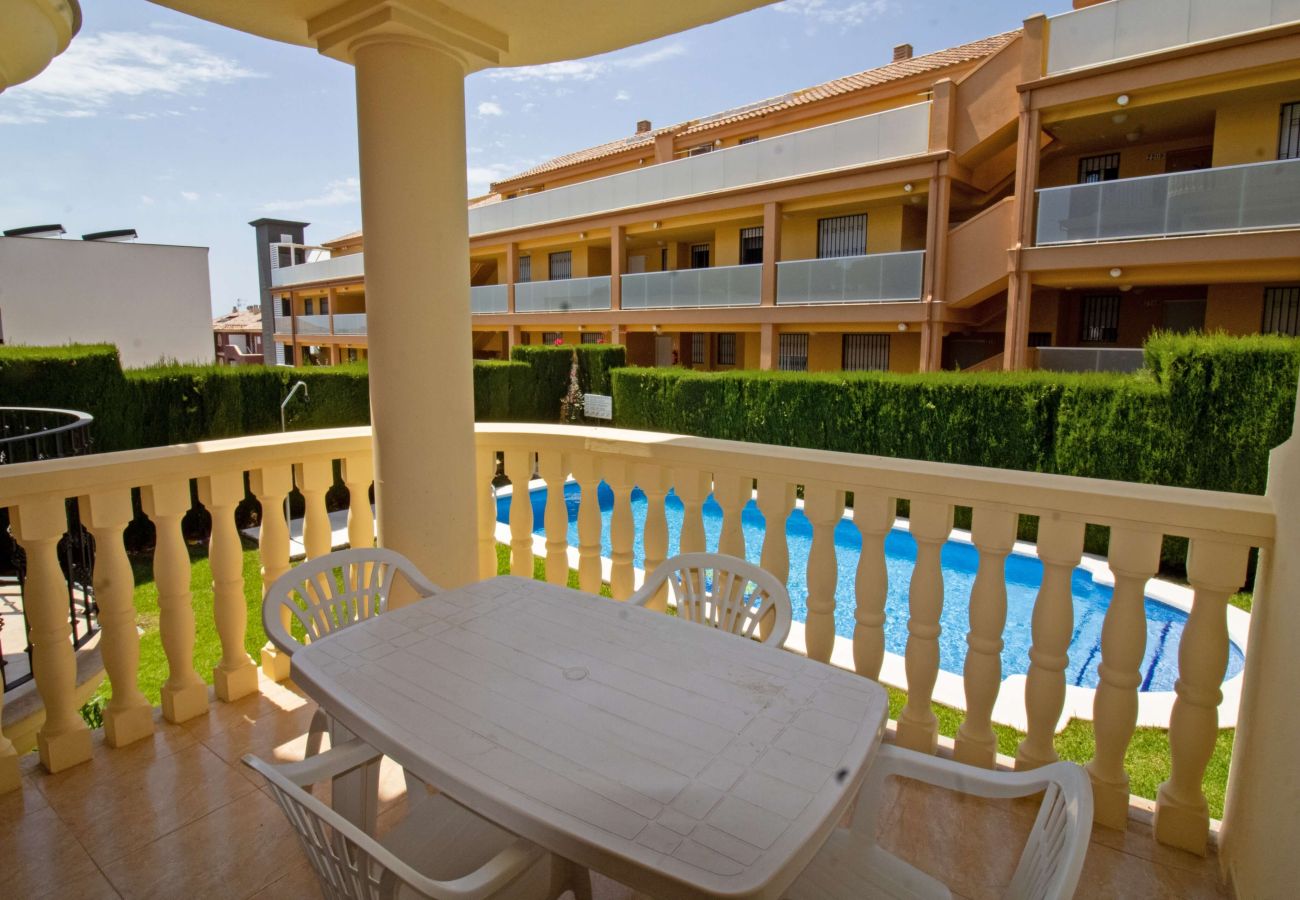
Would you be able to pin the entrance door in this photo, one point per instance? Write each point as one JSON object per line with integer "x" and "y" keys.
{"x": 663, "y": 350}
{"x": 1184, "y": 315}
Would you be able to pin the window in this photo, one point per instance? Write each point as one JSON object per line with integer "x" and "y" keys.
{"x": 663, "y": 260}
{"x": 561, "y": 265}
{"x": 286, "y": 306}
{"x": 1288, "y": 144}
{"x": 699, "y": 256}
{"x": 352, "y": 354}
{"x": 1040, "y": 339}
{"x": 751, "y": 245}
{"x": 1281, "y": 311}
{"x": 725, "y": 354}
{"x": 324, "y": 306}
{"x": 700, "y": 149}
{"x": 699, "y": 352}
{"x": 865, "y": 353}
{"x": 1099, "y": 168}
{"x": 748, "y": 140}
{"x": 306, "y": 307}
{"x": 842, "y": 236}
{"x": 288, "y": 354}
{"x": 792, "y": 353}
{"x": 550, "y": 337}
{"x": 593, "y": 337}
{"x": 1099, "y": 322}
{"x": 525, "y": 269}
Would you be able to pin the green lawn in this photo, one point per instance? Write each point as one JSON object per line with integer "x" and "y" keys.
{"x": 1147, "y": 759}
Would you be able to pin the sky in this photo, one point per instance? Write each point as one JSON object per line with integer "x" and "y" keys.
{"x": 186, "y": 131}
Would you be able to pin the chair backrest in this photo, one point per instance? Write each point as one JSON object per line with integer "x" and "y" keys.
{"x": 1052, "y": 860}
{"x": 334, "y": 591}
{"x": 349, "y": 864}
{"x": 723, "y": 591}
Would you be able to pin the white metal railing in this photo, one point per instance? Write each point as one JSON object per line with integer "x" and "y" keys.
{"x": 885, "y": 135}
{"x": 693, "y": 288}
{"x": 1124, "y": 28}
{"x": 1230, "y": 198}
{"x": 350, "y": 266}
{"x": 488, "y": 298}
{"x": 563, "y": 295}
{"x": 350, "y": 323}
{"x": 874, "y": 278}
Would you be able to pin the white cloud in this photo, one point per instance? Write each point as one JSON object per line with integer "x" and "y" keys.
{"x": 100, "y": 69}
{"x": 622, "y": 95}
{"x": 191, "y": 196}
{"x": 839, "y": 14}
{"x": 490, "y": 108}
{"x": 480, "y": 177}
{"x": 336, "y": 193}
{"x": 146, "y": 200}
{"x": 588, "y": 69}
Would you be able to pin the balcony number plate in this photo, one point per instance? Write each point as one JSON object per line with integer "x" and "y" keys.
{"x": 598, "y": 406}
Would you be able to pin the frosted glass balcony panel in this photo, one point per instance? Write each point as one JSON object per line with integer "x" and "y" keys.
{"x": 488, "y": 298}
{"x": 693, "y": 288}
{"x": 350, "y": 323}
{"x": 313, "y": 325}
{"x": 563, "y": 295}
{"x": 874, "y": 278}
{"x": 350, "y": 266}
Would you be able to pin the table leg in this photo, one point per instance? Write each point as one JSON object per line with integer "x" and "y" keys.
{"x": 355, "y": 793}
{"x": 569, "y": 876}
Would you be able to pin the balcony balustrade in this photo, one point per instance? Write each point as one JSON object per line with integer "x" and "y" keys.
{"x": 1249, "y": 197}
{"x": 891, "y": 134}
{"x": 488, "y": 298}
{"x": 563, "y": 295}
{"x": 350, "y": 323}
{"x": 1222, "y": 529}
{"x": 1124, "y": 28}
{"x": 310, "y": 325}
{"x": 350, "y": 266}
{"x": 874, "y": 278}
{"x": 693, "y": 288}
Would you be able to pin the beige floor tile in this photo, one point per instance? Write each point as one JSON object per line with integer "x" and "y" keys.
{"x": 298, "y": 881}
{"x": 91, "y": 886}
{"x": 232, "y": 852}
{"x": 1108, "y": 873}
{"x": 40, "y": 854}
{"x": 1138, "y": 841}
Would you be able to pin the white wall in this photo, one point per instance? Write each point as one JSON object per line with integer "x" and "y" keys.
{"x": 153, "y": 301}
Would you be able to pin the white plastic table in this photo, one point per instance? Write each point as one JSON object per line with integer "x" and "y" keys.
{"x": 677, "y": 759}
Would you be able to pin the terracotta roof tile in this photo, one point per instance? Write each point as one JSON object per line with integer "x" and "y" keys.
{"x": 249, "y": 319}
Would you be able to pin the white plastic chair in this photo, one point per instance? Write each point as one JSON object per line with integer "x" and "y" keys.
{"x": 851, "y": 864}
{"x": 723, "y": 591}
{"x": 330, "y": 593}
{"x": 441, "y": 850}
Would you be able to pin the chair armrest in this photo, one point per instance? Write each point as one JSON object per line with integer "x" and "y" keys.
{"x": 330, "y": 764}
{"x": 495, "y": 874}
{"x": 955, "y": 776}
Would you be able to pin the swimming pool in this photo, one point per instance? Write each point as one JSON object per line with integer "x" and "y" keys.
{"x": 1023, "y": 574}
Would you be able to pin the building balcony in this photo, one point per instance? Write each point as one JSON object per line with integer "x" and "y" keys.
{"x": 338, "y": 325}
{"x": 1252, "y": 197}
{"x": 136, "y": 819}
{"x": 892, "y": 134}
{"x": 1122, "y": 29}
{"x": 330, "y": 269}
{"x": 874, "y": 278}
{"x": 488, "y": 298}
{"x": 694, "y": 288}
{"x": 563, "y": 295}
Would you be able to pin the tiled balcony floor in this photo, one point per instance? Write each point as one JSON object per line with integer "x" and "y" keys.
{"x": 179, "y": 816}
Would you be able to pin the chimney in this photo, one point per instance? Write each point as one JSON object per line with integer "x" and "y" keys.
{"x": 902, "y": 51}
{"x": 643, "y": 126}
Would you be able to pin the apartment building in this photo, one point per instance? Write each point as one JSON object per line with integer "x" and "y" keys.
{"x": 1026, "y": 199}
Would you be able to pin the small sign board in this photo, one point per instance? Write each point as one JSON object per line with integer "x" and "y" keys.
{"x": 598, "y": 406}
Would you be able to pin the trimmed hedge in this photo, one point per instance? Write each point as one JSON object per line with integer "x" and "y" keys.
{"x": 550, "y": 374}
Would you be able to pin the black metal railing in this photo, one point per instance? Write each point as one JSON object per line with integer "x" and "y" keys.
{"x": 31, "y": 435}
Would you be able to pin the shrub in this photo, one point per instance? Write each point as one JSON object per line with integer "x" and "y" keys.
{"x": 550, "y": 375}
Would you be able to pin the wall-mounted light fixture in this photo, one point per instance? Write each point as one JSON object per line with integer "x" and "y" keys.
{"x": 1122, "y": 99}
{"x": 902, "y": 326}
{"x": 907, "y": 188}
{"x": 1116, "y": 272}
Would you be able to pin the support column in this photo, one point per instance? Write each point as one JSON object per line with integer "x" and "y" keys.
{"x": 936, "y": 269}
{"x": 514, "y": 338}
{"x": 332, "y": 303}
{"x": 767, "y": 346}
{"x": 615, "y": 333}
{"x": 771, "y": 254}
{"x": 1015, "y": 352}
{"x": 512, "y": 273}
{"x": 417, "y": 279}
{"x": 617, "y": 255}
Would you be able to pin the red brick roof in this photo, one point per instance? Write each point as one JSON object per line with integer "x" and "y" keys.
{"x": 249, "y": 319}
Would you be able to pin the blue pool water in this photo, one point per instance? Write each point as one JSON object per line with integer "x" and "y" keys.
{"x": 1023, "y": 574}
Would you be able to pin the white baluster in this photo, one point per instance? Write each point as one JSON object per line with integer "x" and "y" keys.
{"x": 653, "y": 482}
{"x": 314, "y": 478}
{"x": 621, "y": 529}
{"x": 824, "y": 507}
{"x": 486, "y": 469}
{"x": 1214, "y": 570}
{"x": 1060, "y": 546}
{"x": 271, "y": 485}
{"x": 589, "y": 520}
{"x": 993, "y": 532}
{"x": 732, "y": 492}
{"x": 775, "y": 500}
{"x": 184, "y": 695}
{"x": 235, "y": 675}
{"x": 519, "y": 469}
{"x": 129, "y": 714}
{"x": 931, "y": 523}
{"x": 874, "y": 516}
{"x": 551, "y": 466}
{"x": 1134, "y": 558}
{"x": 692, "y": 488}
{"x": 64, "y": 739}
{"x": 358, "y": 471}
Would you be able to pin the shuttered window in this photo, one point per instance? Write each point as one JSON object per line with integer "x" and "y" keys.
{"x": 591, "y": 337}
{"x": 1099, "y": 168}
{"x": 551, "y": 337}
{"x": 1099, "y": 319}
{"x": 561, "y": 265}
{"x": 1281, "y": 311}
{"x": 699, "y": 256}
{"x": 1288, "y": 145}
{"x": 748, "y": 140}
{"x": 699, "y": 348}
{"x": 842, "y": 236}
{"x": 324, "y": 306}
{"x": 306, "y": 307}
{"x": 751, "y": 245}
{"x": 866, "y": 352}
{"x": 700, "y": 148}
{"x": 726, "y": 349}
{"x": 525, "y": 269}
{"x": 792, "y": 353}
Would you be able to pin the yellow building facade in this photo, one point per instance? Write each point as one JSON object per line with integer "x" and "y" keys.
{"x": 1069, "y": 186}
